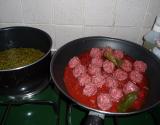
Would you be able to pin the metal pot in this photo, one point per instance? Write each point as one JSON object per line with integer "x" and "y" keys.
{"x": 66, "y": 52}
{"x": 29, "y": 78}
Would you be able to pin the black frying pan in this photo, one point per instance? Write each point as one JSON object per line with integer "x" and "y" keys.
{"x": 66, "y": 52}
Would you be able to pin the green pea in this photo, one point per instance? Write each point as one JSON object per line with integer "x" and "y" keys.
{"x": 17, "y": 57}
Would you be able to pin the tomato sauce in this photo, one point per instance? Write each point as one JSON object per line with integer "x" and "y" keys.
{"x": 75, "y": 90}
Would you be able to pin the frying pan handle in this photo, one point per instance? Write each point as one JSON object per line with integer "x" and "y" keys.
{"x": 94, "y": 118}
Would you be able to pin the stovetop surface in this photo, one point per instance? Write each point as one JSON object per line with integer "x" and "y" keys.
{"x": 50, "y": 108}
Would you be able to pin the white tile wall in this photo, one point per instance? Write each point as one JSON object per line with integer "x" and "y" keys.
{"x": 68, "y": 12}
{"x": 99, "y": 12}
{"x": 10, "y": 11}
{"x": 130, "y": 12}
{"x": 127, "y": 33}
{"x": 99, "y": 31}
{"x": 37, "y": 11}
{"x": 66, "y": 20}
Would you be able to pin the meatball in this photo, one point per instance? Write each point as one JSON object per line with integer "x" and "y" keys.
{"x": 111, "y": 82}
{"x": 98, "y": 80}
{"x": 73, "y": 62}
{"x": 79, "y": 70}
{"x": 120, "y": 75}
{"x": 97, "y": 62}
{"x": 89, "y": 90}
{"x": 126, "y": 65}
{"x": 118, "y": 53}
{"x": 130, "y": 87}
{"x": 93, "y": 70}
{"x": 116, "y": 94}
{"x": 136, "y": 76}
{"x": 140, "y": 66}
{"x": 84, "y": 79}
{"x": 108, "y": 66}
{"x": 104, "y": 101}
{"x": 95, "y": 53}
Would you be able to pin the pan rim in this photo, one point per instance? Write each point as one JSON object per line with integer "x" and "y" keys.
{"x": 87, "y": 107}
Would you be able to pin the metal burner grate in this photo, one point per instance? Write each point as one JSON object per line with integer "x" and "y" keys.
{"x": 75, "y": 116}
{"x": 10, "y": 104}
{"x": 37, "y": 106}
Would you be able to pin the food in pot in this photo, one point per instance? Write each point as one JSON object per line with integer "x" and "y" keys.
{"x": 107, "y": 79}
{"x": 17, "y": 57}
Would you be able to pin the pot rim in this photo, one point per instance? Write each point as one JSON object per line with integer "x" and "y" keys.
{"x": 29, "y": 65}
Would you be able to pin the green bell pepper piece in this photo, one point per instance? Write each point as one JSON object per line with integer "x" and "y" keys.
{"x": 127, "y": 102}
{"x": 116, "y": 61}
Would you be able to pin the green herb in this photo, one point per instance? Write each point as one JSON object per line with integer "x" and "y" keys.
{"x": 116, "y": 61}
{"x": 17, "y": 57}
{"x": 127, "y": 102}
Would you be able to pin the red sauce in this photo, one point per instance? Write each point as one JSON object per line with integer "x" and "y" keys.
{"x": 75, "y": 90}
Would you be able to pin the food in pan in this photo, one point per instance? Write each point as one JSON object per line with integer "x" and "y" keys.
{"x": 17, "y": 57}
{"x": 107, "y": 79}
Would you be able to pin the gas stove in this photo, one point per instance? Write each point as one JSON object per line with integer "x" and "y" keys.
{"x": 49, "y": 107}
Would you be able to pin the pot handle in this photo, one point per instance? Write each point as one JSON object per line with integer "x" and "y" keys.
{"x": 94, "y": 118}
